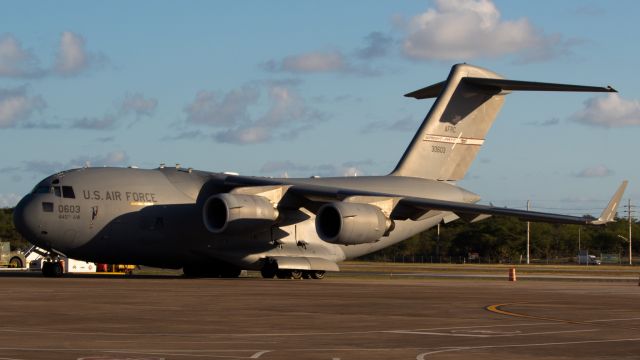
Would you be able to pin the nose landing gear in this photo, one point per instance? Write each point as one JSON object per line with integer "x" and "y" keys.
{"x": 52, "y": 268}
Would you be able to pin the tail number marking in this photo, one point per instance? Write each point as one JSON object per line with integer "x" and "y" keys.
{"x": 438, "y": 149}
{"x": 66, "y": 212}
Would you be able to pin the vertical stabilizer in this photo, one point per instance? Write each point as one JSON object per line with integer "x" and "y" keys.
{"x": 454, "y": 130}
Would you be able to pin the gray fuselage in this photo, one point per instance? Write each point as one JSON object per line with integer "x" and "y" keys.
{"x": 154, "y": 217}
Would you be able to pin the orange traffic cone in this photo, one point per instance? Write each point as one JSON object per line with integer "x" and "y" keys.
{"x": 512, "y": 274}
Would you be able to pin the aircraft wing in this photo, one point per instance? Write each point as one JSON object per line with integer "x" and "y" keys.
{"x": 414, "y": 207}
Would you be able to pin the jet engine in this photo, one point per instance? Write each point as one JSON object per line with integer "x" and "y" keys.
{"x": 351, "y": 223}
{"x": 234, "y": 213}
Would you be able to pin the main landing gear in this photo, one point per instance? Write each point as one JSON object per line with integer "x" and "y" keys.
{"x": 269, "y": 272}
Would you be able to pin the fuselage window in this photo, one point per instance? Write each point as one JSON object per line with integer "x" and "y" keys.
{"x": 67, "y": 192}
{"x": 47, "y": 207}
{"x": 56, "y": 191}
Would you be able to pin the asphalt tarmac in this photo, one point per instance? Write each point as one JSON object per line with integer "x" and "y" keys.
{"x": 170, "y": 317}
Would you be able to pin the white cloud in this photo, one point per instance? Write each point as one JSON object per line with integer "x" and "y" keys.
{"x": 595, "y": 171}
{"x": 244, "y": 135}
{"x": 286, "y": 106}
{"x": 105, "y": 122}
{"x": 465, "y": 29}
{"x": 610, "y": 111}
{"x": 15, "y": 61}
{"x": 16, "y": 106}
{"x": 135, "y": 104}
{"x": 210, "y": 108}
{"x": 235, "y": 113}
{"x": 378, "y": 45}
{"x": 72, "y": 57}
{"x": 138, "y": 105}
{"x": 9, "y": 200}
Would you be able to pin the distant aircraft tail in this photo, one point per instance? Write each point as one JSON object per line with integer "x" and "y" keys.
{"x": 455, "y": 128}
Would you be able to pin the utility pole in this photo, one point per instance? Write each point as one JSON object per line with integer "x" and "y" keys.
{"x": 438, "y": 243}
{"x": 629, "y": 218}
{"x": 528, "y": 232}
{"x": 579, "y": 233}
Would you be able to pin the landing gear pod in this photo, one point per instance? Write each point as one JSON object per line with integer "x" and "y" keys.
{"x": 231, "y": 213}
{"x": 351, "y": 223}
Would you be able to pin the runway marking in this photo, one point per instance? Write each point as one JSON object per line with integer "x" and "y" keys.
{"x": 435, "y": 333}
{"x": 177, "y": 352}
{"x": 608, "y": 320}
{"x": 259, "y": 353}
{"x": 488, "y": 335}
{"x": 484, "y": 326}
{"x": 497, "y": 310}
{"x": 188, "y": 342}
{"x": 466, "y": 348}
{"x": 489, "y": 332}
{"x": 129, "y": 334}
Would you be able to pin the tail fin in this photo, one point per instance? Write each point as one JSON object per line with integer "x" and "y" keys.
{"x": 455, "y": 128}
{"x": 609, "y": 213}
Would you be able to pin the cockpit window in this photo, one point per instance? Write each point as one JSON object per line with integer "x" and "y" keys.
{"x": 42, "y": 189}
{"x": 59, "y": 191}
{"x": 67, "y": 192}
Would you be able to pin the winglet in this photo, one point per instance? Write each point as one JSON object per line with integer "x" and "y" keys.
{"x": 610, "y": 211}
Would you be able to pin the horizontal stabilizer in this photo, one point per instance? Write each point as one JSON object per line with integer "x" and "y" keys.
{"x": 497, "y": 85}
{"x": 504, "y": 84}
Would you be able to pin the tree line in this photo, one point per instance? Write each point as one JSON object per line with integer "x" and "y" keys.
{"x": 503, "y": 239}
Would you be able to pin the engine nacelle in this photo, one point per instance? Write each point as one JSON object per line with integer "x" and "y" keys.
{"x": 351, "y": 223}
{"x": 234, "y": 213}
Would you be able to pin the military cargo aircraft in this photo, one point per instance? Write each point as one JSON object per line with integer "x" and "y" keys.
{"x": 217, "y": 224}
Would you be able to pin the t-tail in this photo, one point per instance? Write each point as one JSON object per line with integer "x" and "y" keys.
{"x": 455, "y": 128}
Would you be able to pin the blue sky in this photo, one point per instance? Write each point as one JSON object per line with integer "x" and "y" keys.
{"x": 315, "y": 88}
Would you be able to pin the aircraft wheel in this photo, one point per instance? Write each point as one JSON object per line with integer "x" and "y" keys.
{"x": 268, "y": 272}
{"x": 192, "y": 271}
{"x": 231, "y": 272}
{"x": 16, "y": 262}
{"x": 306, "y": 275}
{"x": 46, "y": 269}
{"x": 57, "y": 269}
{"x": 52, "y": 269}
{"x": 296, "y": 274}
{"x": 317, "y": 274}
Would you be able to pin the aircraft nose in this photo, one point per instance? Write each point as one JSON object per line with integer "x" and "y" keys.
{"x": 25, "y": 218}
